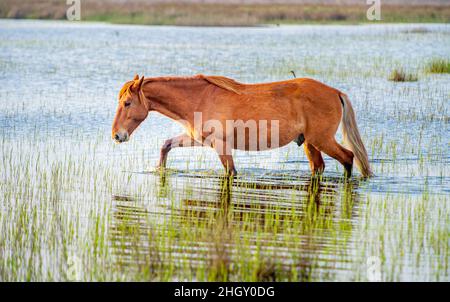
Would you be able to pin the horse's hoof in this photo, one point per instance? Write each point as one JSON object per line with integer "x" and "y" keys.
{"x": 232, "y": 173}
{"x": 157, "y": 169}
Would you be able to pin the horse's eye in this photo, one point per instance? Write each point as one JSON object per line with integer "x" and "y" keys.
{"x": 127, "y": 104}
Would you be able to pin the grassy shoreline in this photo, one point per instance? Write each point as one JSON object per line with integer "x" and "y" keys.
{"x": 223, "y": 14}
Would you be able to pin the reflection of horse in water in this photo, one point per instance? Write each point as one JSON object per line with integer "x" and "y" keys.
{"x": 257, "y": 198}
{"x": 227, "y": 217}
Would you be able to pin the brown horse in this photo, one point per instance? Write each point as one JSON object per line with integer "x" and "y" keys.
{"x": 301, "y": 110}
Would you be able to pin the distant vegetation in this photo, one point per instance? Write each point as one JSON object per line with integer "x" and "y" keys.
{"x": 434, "y": 66}
{"x": 222, "y": 13}
{"x": 399, "y": 75}
{"x": 438, "y": 66}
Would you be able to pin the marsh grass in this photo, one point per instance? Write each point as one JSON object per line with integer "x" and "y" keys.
{"x": 399, "y": 75}
{"x": 438, "y": 66}
{"x": 203, "y": 228}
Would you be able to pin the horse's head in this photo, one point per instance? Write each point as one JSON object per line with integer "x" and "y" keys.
{"x": 132, "y": 110}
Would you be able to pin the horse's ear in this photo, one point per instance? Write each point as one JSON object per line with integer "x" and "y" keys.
{"x": 136, "y": 77}
{"x": 137, "y": 84}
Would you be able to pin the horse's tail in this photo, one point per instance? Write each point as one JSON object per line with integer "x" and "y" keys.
{"x": 352, "y": 138}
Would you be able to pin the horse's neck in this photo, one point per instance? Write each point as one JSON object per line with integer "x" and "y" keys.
{"x": 175, "y": 99}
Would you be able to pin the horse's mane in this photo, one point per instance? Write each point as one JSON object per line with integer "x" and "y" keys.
{"x": 225, "y": 83}
{"x": 219, "y": 81}
{"x": 125, "y": 88}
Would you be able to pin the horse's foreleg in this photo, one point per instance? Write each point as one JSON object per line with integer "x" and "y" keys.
{"x": 182, "y": 140}
{"x": 224, "y": 152}
{"x": 228, "y": 164}
{"x": 316, "y": 162}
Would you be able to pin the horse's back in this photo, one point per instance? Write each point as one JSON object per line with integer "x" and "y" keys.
{"x": 304, "y": 83}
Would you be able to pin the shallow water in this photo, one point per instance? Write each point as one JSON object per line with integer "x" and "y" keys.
{"x": 77, "y": 206}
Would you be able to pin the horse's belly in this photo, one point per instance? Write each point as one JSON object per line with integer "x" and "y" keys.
{"x": 247, "y": 140}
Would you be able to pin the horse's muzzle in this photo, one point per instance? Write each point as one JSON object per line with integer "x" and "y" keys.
{"x": 121, "y": 137}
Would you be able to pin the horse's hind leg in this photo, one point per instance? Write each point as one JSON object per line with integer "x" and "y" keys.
{"x": 316, "y": 162}
{"x": 335, "y": 150}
